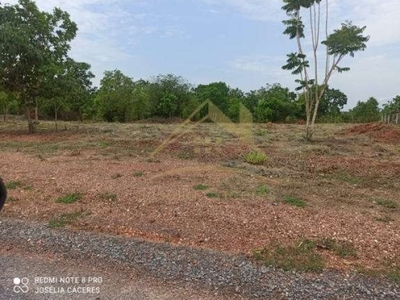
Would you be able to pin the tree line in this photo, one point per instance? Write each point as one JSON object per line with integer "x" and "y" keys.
{"x": 40, "y": 79}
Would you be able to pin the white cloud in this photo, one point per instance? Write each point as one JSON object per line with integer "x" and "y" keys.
{"x": 257, "y": 64}
{"x": 262, "y": 10}
{"x": 381, "y": 18}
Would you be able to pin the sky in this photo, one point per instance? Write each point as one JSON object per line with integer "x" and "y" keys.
{"x": 239, "y": 42}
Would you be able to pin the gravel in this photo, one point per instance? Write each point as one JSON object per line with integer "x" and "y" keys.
{"x": 200, "y": 267}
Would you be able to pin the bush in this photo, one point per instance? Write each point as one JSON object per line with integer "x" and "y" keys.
{"x": 255, "y": 158}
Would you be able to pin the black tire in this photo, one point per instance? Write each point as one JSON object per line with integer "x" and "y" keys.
{"x": 3, "y": 193}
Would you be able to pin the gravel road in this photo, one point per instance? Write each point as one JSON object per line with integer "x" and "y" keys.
{"x": 213, "y": 273}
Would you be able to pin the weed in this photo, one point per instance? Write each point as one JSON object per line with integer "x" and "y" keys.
{"x": 185, "y": 155}
{"x": 138, "y": 174}
{"x": 344, "y": 249}
{"x": 392, "y": 272}
{"x": 348, "y": 178}
{"x": 212, "y": 195}
{"x": 108, "y": 197}
{"x": 260, "y": 132}
{"x": 389, "y": 204}
{"x": 27, "y": 188}
{"x": 200, "y": 187}
{"x": 70, "y": 198}
{"x": 263, "y": 190}
{"x": 302, "y": 257}
{"x": 66, "y": 219}
{"x": 255, "y": 158}
{"x": 103, "y": 144}
{"x": 295, "y": 201}
{"x": 12, "y": 185}
{"x": 384, "y": 219}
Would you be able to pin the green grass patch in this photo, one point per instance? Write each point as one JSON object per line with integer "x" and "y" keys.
{"x": 291, "y": 200}
{"x": 348, "y": 178}
{"x": 108, "y": 197}
{"x": 391, "y": 272}
{"x": 260, "y": 132}
{"x": 343, "y": 249}
{"x": 27, "y": 188}
{"x": 185, "y": 155}
{"x": 384, "y": 219}
{"x": 212, "y": 195}
{"x": 301, "y": 257}
{"x": 14, "y": 184}
{"x": 138, "y": 174}
{"x": 388, "y": 204}
{"x": 66, "y": 219}
{"x": 255, "y": 158}
{"x": 263, "y": 190}
{"x": 70, "y": 198}
{"x": 200, "y": 187}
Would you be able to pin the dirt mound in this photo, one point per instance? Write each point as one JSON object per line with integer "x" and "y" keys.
{"x": 378, "y": 131}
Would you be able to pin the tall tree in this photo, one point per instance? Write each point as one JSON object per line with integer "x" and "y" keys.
{"x": 30, "y": 40}
{"x": 66, "y": 85}
{"x": 392, "y": 106}
{"x": 169, "y": 95}
{"x": 216, "y": 92}
{"x": 365, "y": 112}
{"x": 275, "y": 104}
{"x": 115, "y": 96}
{"x": 342, "y": 42}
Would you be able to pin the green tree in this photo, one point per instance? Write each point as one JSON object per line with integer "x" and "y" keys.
{"x": 168, "y": 105}
{"x": 365, "y": 112}
{"x": 217, "y": 93}
{"x": 276, "y": 104}
{"x": 6, "y": 101}
{"x": 81, "y": 90}
{"x": 140, "y": 105}
{"x": 169, "y": 95}
{"x": 392, "y": 106}
{"x": 331, "y": 103}
{"x": 343, "y": 42}
{"x": 114, "y": 98}
{"x": 30, "y": 40}
{"x": 66, "y": 85}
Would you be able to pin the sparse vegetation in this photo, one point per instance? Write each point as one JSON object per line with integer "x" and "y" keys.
{"x": 226, "y": 179}
{"x": 14, "y": 184}
{"x": 69, "y": 199}
{"x": 27, "y": 188}
{"x": 108, "y": 197}
{"x": 66, "y": 219}
{"x": 255, "y": 158}
{"x": 388, "y": 204}
{"x": 263, "y": 190}
{"x": 301, "y": 257}
{"x": 345, "y": 177}
{"x": 212, "y": 195}
{"x": 12, "y": 199}
{"x": 385, "y": 219}
{"x": 291, "y": 200}
{"x": 344, "y": 249}
{"x": 200, "y": 187}
{"x": 304, "y": 255}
